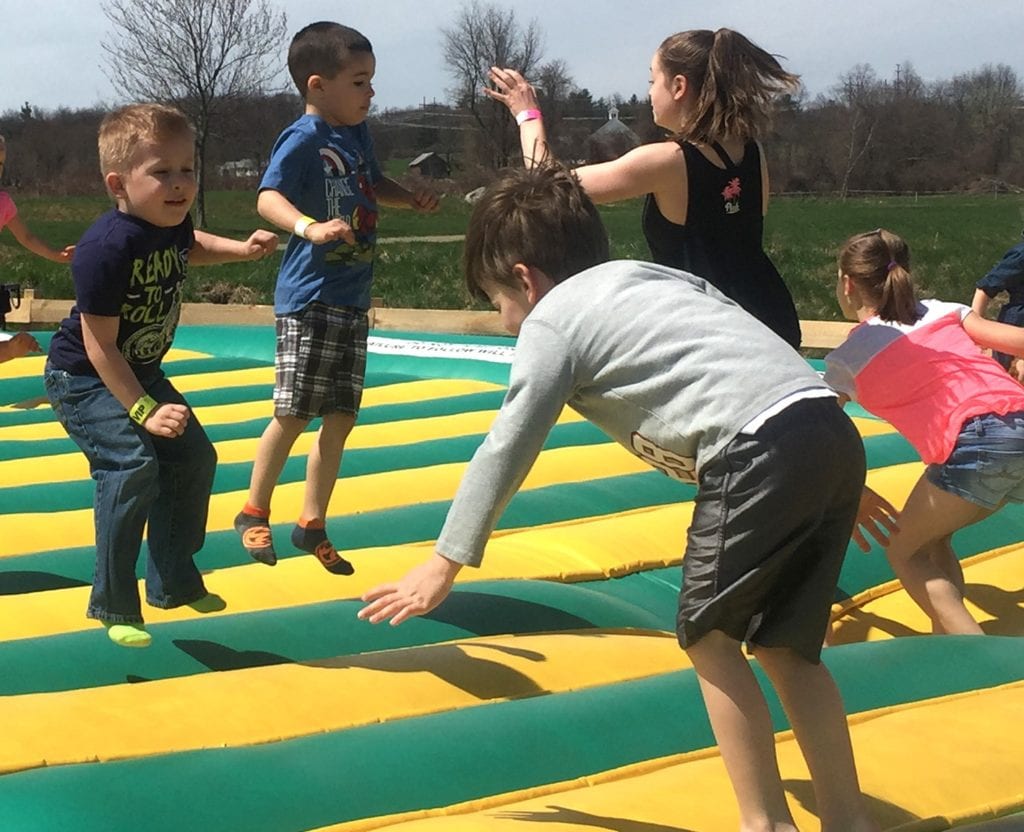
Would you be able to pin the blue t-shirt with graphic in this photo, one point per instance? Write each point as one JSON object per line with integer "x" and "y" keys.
{"x": 128, "y": 268}
{"x": 326, "y": 172}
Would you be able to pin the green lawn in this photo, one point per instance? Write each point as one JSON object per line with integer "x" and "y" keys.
{"x": 954, "y": 241}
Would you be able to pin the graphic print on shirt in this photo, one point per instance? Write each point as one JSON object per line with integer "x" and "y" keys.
{"x": 731, "y": 195}
{"x": 152, "y": 304}
{"x": 350, "y": 197}
{"x": 683, "y": 468}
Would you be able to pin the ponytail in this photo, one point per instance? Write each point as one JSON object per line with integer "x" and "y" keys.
{"x": 879, "y": 263}
{"x": 735, "y": 82}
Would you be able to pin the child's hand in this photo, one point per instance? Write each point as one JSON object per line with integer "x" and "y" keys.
{"x": 512, "y": 90}
{"x": 260, "y": 244}
{"x": 328, "y": 232}
{"x": 423, "y": 588}
{"x": 425, "y": 202}
{"x": 168, "y": 419}
{"x": 1017, "y": 369}
{"x": 66, "y": 254}
{"x": 877, "y": 517}
{"x": 22, "y": 344}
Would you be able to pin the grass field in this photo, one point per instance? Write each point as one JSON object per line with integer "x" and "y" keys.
{"x": 954, "y": 241}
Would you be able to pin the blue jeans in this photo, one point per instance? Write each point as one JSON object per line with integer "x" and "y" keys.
{"x": 140, "y": 479}
{"x": 986, "y": 466}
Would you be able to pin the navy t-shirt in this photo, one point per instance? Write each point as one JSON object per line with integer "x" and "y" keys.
{"x": 126, "y": 267}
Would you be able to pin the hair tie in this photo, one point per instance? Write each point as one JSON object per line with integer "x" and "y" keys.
{"x": 892, "y": 265}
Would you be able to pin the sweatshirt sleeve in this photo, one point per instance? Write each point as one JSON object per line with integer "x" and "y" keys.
{"x": 540, "y": 384}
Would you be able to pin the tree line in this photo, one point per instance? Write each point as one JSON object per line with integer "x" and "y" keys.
{"x": 895, "y": 133}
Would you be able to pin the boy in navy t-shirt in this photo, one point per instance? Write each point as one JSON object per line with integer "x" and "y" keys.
{"x": 151, "y": 460}
{"x": 1005, "y": 276}
{"x": 323, "y": 184}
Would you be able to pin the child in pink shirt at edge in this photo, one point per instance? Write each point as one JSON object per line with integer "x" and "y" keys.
{"x": 919, "y": 365}
{"x": 9, "y": 219}
{"x": 23, "y": 343}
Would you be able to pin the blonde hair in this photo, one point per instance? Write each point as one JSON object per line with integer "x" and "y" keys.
{"x": 735, "y": 82}
{"x": 878, "y": 262}
{"x": 122, "y": 130}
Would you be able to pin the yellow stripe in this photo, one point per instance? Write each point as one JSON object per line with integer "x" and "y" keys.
{"x": 887, "y": 611}
{"x": 955, "y": 757}
{"x": 32, "y": 365}
{"x": 583, "y": 549}
{"x": 414, "y": 391}
{"x": 21, "y": 532}
{"x": 206, "y": 711}
{"x": 73, "y": 466}
{"x": 577, "y": 550}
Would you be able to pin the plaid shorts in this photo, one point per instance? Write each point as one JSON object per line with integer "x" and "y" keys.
{"x": 320, "y": 361}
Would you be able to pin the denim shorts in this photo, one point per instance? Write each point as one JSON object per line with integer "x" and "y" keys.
{"x": 986, "y": 466}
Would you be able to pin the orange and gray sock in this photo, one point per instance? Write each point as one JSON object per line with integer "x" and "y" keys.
{"x": 311, "y": 536}
{"x": 253, "y": 524}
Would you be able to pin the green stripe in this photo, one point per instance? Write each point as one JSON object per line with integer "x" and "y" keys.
{"x": 446, "y": 758}
{"x": 387, "y": 527}
{"x": 320, "y": 631}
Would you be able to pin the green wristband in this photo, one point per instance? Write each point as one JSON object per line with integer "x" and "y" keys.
{"x": 140, "y": 411}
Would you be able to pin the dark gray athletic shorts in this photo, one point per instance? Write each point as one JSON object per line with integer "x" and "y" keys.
{"x": 320, "y": 362}
{"x": 773, "y": 517}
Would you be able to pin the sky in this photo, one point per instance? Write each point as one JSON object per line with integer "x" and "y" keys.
{"x": 51, "y": 54}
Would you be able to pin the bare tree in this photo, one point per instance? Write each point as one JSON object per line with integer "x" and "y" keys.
{"x": 861, "y": 93}
{"x": 483, "y": 36}
{"x": 197, "y": 54}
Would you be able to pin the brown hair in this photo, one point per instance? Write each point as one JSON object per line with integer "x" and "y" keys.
{"x": 540, "y": 217}
{"x": 879, "y": 264}
{"x": 735, "y": 82}
{"x": 323, "y": 49}
{"x": 123, "y": 129}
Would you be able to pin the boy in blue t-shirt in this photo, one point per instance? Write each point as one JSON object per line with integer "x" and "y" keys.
{"x": 152, "y": 462}
{"x": 323, "y": 184}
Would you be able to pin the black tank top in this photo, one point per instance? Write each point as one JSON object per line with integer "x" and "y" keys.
{"x": 722, "y": 238}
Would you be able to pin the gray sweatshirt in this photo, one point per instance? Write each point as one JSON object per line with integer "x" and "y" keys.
{"x": 659, "y": 359}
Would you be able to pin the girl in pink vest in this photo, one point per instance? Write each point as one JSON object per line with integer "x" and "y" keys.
{"x": 919, "y": 365}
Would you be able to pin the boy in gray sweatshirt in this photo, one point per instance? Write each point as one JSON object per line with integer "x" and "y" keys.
{"x": 689, "y": 382}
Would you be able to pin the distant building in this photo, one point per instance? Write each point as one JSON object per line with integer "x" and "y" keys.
{"x": 431, "y": 165}
{"x": 240, "y": 168}
{"x": 611, "y": 139}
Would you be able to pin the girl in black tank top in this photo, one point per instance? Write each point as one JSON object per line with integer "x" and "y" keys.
{"x": 710, "y": 89}
{"x": 721, "y": 239}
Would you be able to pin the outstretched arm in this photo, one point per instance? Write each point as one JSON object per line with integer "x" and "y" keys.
{"x": 210, "y": 249}
{"x": 390, "y": 193}
{"x": 275, "y": 208}
{"x": 419, "y": 591}
{"x": 979, "y": 303}
{"x": 995, "y": 335}
{"x": 35, "y": 245}
{"x": 20, "y": 345}
{"x": 647, "y": 169}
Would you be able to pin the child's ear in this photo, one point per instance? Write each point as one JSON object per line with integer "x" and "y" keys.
{"x": 114, "y": 183}
{"x": 314, "y": 83}
{"x": 679, "y": 87}
{"x": 534, "y": 283}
